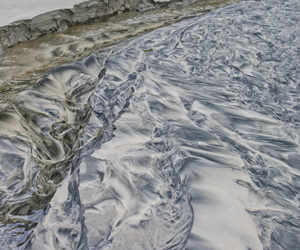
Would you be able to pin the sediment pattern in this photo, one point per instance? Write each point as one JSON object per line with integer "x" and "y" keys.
{"x": 186, "y": 137}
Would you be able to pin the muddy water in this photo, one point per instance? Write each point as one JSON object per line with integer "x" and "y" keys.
{"x": 36, "y": 57}
{"x": 183, "y": 138}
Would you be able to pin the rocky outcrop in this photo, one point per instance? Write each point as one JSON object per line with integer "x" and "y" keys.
{"x": 84, "y": 12}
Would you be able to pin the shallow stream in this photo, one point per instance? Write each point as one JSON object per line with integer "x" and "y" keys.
{"x": 186, "y": 137}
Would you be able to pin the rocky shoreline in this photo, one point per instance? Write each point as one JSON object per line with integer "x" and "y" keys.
{"x": 84, "y": 12}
